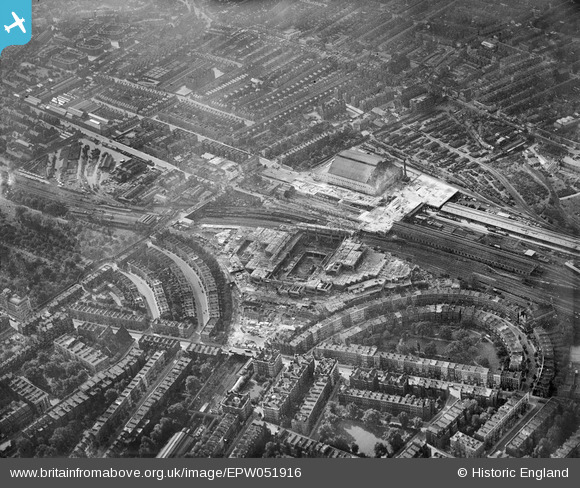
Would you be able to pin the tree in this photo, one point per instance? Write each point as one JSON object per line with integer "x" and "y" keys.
{"x": 446, "y": 333}
{"x": 205, "y": 371}
{"x": 60, "y": 439}
{"x": 353, "y": 411}
{"x": 339, "y": 442}
{"x": 333, "y": 407}
{"x": 53, "y": 369}
{"x": 272, "y": 450}
{"x": 44, "y": 451}
{"x": 430, "y": 349}
{"x": 111, "y": 395}
{"x": 192, "y": 384}
{"x": 395, "y": 439}
{"x": 162, "y": 431}
{"x": 332, "y": 418}
{"x": 423, "y": 329}
{"x": 25, "y": 447}
{"x": 403, "y": 419}
{"x": 462, "y": 335}
{"x": 178, "y": 413}
{"x": 147, "y": 447}
{"x": 354, "y": 448}
{"x": 286, "y": 422}
{"x": 371, "y": 417}
{"x": 325, "y": 432}
{"x": 20, "y": 212}
{"x": 380, "y": 449}
{"x": 483, "y": 361}
{"x": 416, "y": 423}
{"x": 543, "y": 449}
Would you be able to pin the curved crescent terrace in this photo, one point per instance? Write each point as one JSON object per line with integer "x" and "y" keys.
{"x": 339, "y": 336}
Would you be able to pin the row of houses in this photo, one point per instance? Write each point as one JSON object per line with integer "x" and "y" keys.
{"x": 179, "y": 283}
{"x": 443, "y": 314}
{"x": 383, "y": 402}
{"x": 252, "y": 441}
{"x": 443, "y": 298}
{"x": 85, "y": 396}
{"x": 72, "y": 347}
{"x": 153, "y": 282}
{"x": 401, "y": 384}
{"x": 449, "y": 422}
{"x": 21, "y": 388}
{"x": 221, "y": 437}
{"x": 534, "y": 429}
{"x": 108, "y": 316}
{"x": 46, "y": 330}
{"x": 300, "y": 445}
{"x": 149, "y": 342}
{"x": 123, "y": 403}
{"x": 108, "y": 340}
{"x": 368, "y": 356}
{"x": 465, "y": 446}
{"x": 203, "y": 351}
{"x": 503, "y": 419}
{"x": 141, "y": 421}
{"x": 173, "y": 327}
{"x": 201, "y": 269}
{"x": 547, "y": 368}
{"x": 570, "y": 448}
{"x": 289, "y": 386}
{"x": 326, "y": 378}
{"x": 14, "y": 416}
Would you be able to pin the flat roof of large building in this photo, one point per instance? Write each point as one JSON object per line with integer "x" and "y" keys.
{"x": 354, "y": 165}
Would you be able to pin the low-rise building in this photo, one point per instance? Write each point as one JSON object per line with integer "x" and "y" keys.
{"x": 383, "y": 402}
{"x": 347, "y": 354}
{"x": 302, "y": 446}
{"x": 288, "y": 388}
{"x": 570, "y": 448}
{"x": 534, "y": 429}
{"x": 152, "y": 342}
{"x": 449, "y": 422}
{"x": 465, "y": 446}
{"x": 72, "y": 347}
{"x": 203, "y": 351}
{"x": 24, "y": 390}
{"x": 14, "y": 416}
{"x": 504, "y": 418}
{"x": 108, "y": 316}
{"x": 173, "y": 328}
{"x": 312, "y": 405}
{"x": 252, "y": 441}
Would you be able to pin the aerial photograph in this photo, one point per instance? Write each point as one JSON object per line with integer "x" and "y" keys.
{"x": 290, "y": 229}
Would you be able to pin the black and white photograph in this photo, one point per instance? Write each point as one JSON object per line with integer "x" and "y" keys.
{"x": 291, "y": 229}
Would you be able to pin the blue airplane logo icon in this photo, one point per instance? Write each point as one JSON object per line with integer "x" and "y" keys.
{"x": 17, "y": 23}
{"x": 16, "y": 17}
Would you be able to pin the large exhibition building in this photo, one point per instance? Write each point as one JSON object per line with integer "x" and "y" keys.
{"x": 362, "y": 172}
